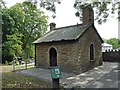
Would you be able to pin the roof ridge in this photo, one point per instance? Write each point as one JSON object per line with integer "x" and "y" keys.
{"x": 68, "y": 26}
{"x": 82, "y": 26}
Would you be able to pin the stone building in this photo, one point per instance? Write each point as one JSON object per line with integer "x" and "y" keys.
{"x": 74, "y": 49}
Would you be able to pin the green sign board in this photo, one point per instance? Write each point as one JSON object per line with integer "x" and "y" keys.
{"x": 55, "y": 73}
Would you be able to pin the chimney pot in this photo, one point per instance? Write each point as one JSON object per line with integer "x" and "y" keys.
{"x": 52, "y": 26}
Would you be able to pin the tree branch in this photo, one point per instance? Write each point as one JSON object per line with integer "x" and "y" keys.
{"x": 25, "y": 44}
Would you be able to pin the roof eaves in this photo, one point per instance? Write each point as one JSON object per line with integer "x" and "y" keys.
{"x": 54, "y": 41}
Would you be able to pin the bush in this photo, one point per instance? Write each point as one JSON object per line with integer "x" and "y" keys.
{"x": 16, "y": 62}
{"x": 10, "y": 63}
{"x": 6, "y": 62}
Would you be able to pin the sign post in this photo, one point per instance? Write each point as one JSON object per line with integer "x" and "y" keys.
{"x": 55, "y": 74}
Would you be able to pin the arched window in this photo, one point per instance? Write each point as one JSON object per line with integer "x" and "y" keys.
{"x": 53, "y": 57}
{"x": 91, "y": 52}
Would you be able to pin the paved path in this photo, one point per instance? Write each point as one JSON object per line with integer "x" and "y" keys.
{"x": 105, "y": 76}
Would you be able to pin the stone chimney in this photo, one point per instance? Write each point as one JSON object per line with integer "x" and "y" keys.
{"x": 52, "y": 26}
{"x": 88, "y": 14}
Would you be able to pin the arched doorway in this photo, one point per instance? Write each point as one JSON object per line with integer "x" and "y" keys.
{"x": 53, "y": 57}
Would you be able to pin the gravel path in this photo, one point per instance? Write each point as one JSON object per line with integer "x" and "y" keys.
{"x": 104, "y": 76}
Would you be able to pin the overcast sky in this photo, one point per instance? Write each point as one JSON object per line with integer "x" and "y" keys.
{"x": 66, "y": 16}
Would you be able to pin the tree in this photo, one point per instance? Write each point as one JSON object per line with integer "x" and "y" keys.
{"x": 103, "y": 7}
{"x": 115, "y": 42}
{"x": 12, "y": 47}
{"x": 49, "y": 5}
{"x": 2, "y": 4}
{"x": 10, "y": 37}
{"x": 22, "y": 24}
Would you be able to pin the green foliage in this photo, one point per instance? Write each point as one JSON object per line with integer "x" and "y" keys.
{"x": 15, "y": 62}
{"x": 6, "y": 62}
{"x": 12, "y": 46}
{"x": 21, "y": 25}
{"x": 103, "y": 9}
{"x": 115, "y": 42}
{"x": 10, "y": 63}
{"x": 2, "y": 4}
{"x": 49, "y": 5}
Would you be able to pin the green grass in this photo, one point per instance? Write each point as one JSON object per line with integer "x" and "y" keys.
{"x": 15, "y": 80}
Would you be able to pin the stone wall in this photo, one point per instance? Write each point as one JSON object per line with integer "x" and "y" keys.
{"x": 72, "y": 56}
{"x": 90, "y": 37}
{"x": 111, "y": 56}
{"x": 67, "y": 55}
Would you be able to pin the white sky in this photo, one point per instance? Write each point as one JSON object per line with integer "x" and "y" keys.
{"x": 65, "y": 16}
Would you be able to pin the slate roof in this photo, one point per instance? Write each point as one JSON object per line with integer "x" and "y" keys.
{"x": 64, "y": 33}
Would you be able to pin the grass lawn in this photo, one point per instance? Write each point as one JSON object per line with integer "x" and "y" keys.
{"x": 6, "y": 68}
{"x": 15, "y": 80}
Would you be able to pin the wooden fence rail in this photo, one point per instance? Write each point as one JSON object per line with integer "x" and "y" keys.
{"x": 23, "y": 66}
